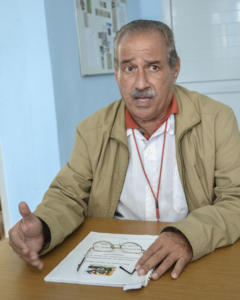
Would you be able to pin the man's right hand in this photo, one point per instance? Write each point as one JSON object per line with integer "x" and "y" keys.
{"x": 26, "y": 237}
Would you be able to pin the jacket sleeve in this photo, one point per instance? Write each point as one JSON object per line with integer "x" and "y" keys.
{"x": 64, "y": 206}
{"x": 217, "y": 225}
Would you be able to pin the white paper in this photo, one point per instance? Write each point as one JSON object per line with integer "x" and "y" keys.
{"x": 102, "y": 268}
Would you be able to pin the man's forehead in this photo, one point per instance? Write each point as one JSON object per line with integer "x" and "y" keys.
{"x": 141, "y": 39}
{"x": 151, "y": 61}
{"x": 154, "y": 34}
{"x": 151, "y": 45}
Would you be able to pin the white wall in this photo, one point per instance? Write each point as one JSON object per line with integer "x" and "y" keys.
{"x": 207, "y": 35}
{"x": 28, "y": 132}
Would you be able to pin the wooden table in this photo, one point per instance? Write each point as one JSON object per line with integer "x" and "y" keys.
{"x": 216, "y": 276}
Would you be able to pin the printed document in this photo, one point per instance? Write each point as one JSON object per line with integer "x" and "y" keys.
{"x": 93, "y": 262}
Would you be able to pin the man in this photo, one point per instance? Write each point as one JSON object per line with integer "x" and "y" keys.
{"x": 161, "y": 153}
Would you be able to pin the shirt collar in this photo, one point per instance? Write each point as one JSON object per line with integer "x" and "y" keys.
{"x": 131, "y": 124}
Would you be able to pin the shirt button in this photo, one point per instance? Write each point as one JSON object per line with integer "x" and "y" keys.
{"x": 149, "y": 150}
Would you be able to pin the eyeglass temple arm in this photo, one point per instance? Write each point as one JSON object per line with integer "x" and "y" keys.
{"x": 131, "y": 273}
{"x": 82, "y": 261}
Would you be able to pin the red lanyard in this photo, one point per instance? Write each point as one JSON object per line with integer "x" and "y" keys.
{"x": 160, "y": 172}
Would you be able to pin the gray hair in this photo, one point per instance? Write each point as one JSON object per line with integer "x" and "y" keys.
{"x": 139, "y": 26}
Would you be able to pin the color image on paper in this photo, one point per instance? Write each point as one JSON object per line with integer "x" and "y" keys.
{"x": 100, "y": 270}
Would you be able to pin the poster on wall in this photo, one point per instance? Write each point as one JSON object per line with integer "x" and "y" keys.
{"x": 97, "y": 23}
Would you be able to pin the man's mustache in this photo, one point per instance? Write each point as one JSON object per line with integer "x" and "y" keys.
{"x": 148, "y": 93}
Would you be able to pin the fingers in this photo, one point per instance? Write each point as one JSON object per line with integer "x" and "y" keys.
{"x": 30, "y": 225}
{"x": 26, "y": 237}
{"x": 150, "y": 258}
{"x": 24, "y": 209}
{"x": 167, "y": 263}
{"x": 180, "y": 265}
{"x": 21, "y": 248}
{"x": 154, "y": 248}
{"x": 170, "y": 249}
{"x": 32, "y": 259}
{"x": 16, "y": 239}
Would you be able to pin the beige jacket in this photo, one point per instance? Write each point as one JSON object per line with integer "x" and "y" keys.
{"x": 208, "y": 157}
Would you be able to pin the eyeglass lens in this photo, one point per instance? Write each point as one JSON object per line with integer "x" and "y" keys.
{"x": 128, "y": 247}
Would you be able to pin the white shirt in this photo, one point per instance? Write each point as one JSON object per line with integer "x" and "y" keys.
{"x": 136, "y": 200}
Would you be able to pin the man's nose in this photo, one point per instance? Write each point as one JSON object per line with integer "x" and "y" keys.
{"x": 141, "y": 81}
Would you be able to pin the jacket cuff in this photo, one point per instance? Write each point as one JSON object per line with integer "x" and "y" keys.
{"x": 172, "y": 228}
{"x": 194, "y": 238}
{"x": 47, "y": 237}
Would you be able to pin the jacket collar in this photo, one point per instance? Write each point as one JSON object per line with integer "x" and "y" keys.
{"x": 119, "y": 129}
{"x": 187, "y": 117}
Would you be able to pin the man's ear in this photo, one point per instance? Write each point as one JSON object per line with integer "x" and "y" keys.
{"x": 116, "y": 75}
{"x": 177, "y": 69}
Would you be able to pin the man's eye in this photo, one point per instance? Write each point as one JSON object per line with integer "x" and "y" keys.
{"x": 154, "y": 67}
{"x": 128, "y": 68}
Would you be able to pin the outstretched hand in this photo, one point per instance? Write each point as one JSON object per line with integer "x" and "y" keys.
{"x": 170, "y": 249}
{"x": 26, "y": 237}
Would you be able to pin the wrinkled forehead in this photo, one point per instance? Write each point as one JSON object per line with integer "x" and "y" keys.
{"x": 135, "y": 44}
{"x": 139, "y": 33}
{"x": 154, "y": 37}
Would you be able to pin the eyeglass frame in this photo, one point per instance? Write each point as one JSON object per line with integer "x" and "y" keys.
{"x": 112, "y": 247}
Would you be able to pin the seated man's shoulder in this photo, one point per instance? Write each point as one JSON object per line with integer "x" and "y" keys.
{"x": 103, "y": 117}
{"x": 202, "y": 103}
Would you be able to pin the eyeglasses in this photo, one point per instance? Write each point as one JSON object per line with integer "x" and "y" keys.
{"x": 105, "y": 246}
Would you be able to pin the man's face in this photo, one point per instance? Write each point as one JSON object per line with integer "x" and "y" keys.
{"x": 144, "y": 77}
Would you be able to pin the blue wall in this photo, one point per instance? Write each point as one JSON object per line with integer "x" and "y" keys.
{"x": 150, "y": 9}
{"x": 133, "y": 10}
{"x": 76, "y": 97}
{"x": 42, "y": 93}
{"x": 28, "y": 131}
